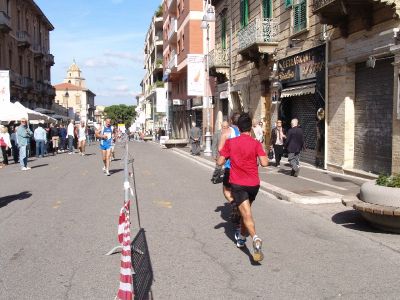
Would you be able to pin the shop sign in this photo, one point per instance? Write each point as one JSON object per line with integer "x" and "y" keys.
{"x": 195, "y": 75}
{"x": 4, "y": 86}
{"x": 302, "y": 66}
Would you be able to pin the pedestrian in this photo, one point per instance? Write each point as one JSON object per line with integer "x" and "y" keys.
{"x": 294, "y": 144}
{"x": 63, "y": 138}
{"x": 106, "y": 135}
{"x": 24, "y": 135}
{"x": 82, "y": 138}
{"x": 113, "y": 140}
{"x": 277, "y": 141}
{"x": 70, "y": 135}
{"x": 5, "y": 143}
{"x": 40, "y": 140}
{"x": 243, "y": 152}
{"x": 257, "y": 131}
{"x": 14, "y": 144}
{"x": 195, "y": 138}
{"x": 218, "y": 170}
{"x": 231, "y": 132}
{"x": 55, "y": 137}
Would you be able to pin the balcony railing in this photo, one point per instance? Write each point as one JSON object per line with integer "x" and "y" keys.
{"x": 219, "y": 58}
{"x": 173, "y": 62}
{"x": 27, "y": 82}
{"x": 5, "y": 22}
{"x": 318, "y": 4}
{"x": 260, "y": 31}
{"x": 39, "y": 86}
{"x": 23, "y": 38}
{"x": 173, "y": 29}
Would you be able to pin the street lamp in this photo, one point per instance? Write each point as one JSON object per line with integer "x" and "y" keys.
{"x": 167, "y": 73}
{"x": 209, "y": 16}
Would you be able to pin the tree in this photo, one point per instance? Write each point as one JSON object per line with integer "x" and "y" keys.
{"x": 121, "y": 114}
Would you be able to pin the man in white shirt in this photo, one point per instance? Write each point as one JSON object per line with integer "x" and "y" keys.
{"x": 70, "y": 136}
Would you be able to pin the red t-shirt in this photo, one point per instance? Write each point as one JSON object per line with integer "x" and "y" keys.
{"x": 243, "y": 152}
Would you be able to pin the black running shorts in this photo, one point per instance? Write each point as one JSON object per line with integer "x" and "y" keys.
{"x": 226, "y": 182}
{"x": 241, "y": 193}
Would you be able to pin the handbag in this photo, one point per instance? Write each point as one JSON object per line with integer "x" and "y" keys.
{"x": 271, "y": 154}
{"x": 2, "y": 142}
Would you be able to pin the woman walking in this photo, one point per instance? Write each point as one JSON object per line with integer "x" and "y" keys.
{"x": 82, "y": 138}
{"x": 5, "y": 143}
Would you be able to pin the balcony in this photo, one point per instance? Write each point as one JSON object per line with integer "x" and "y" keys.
{"x": 49, "y": 58}
{"x": 173, "y": 62}
{"x": 338, "y": 12}
{"x": 51, "y": 91}
{"x": 15, "y": 79}
{"x": 172, "y": 6}
{"x": 24, "y": 39}
{"x": 5, "y": 22}
{"x": 27, "y": 83}
{"x": 218, "y": 60}
{"x": 38, "y": 87}
{"x": 37, "y": 51}
{"x": 258, "y": 38}
{"x": 173, "y": 30}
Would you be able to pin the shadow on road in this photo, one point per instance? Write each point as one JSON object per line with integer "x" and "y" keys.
{"x": 352, "y": 219}
{"x": 230, "y": 230}
{"x": 39, "y": 166}
{"x": 341, "y": 179}
{"x": 90, "y": 154}
{"x": 116, "y": 171}
{"x": 4, "y": 201}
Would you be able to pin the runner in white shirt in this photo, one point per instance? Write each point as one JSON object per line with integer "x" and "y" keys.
{"x": 82, "y": 138}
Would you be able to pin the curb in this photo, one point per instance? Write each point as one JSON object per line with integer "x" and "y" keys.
{"x": 277, "y": 192}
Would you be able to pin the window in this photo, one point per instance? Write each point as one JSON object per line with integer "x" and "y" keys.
{"x": 244, "y": 13}
{"x": 300, "y": 16}
{"x": 288, "y": 3}
{"x": 223, "y": 32}
{"x": 267, "y": 9}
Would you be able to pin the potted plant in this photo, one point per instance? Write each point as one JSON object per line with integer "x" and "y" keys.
{"x": 384, "y": 191}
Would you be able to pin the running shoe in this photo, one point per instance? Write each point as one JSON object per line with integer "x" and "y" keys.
{"x": 257, "y": 252}
{"x": 240, "y": 243}
{"x": 104, "y": 169}
{"x": 108, "y": 173}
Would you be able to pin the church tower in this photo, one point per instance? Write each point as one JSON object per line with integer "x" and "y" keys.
{"x": 74, "y": 76}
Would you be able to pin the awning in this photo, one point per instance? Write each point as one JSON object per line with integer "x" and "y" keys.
{"x": 298, "y": 90}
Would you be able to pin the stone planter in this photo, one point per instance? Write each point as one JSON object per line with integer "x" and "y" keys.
{"x": 381, "y": 195}
{"x": 381, "y": 206}
{"x": 178, "y": 143}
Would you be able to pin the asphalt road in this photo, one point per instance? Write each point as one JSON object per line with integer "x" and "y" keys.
{"x": 59, "y": 219}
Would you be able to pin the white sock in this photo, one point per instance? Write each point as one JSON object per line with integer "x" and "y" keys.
{"x": 255, "y": 237}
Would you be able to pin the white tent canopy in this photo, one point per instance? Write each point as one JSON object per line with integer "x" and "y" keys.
{"x": 16, "y": 111}
{"x": 10, "y": 112}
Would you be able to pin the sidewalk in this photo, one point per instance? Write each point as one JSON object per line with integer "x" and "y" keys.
{"x": 313, "y": 186}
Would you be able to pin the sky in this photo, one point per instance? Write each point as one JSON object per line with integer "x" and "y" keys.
{"x": 106, "y": 39}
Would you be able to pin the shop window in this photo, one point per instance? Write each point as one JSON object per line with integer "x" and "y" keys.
{"x": 244, "y": 13}
{"x": 267, "y": 9}
{"x": 299, "y": 16}
{"x": 223, "y": 32}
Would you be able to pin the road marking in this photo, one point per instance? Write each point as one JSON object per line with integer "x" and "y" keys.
{"x": 330, "y": 193}
{"x": 323, "y": 183}
{"x": 57, "y": 205}
{"x": 165, "y": 204}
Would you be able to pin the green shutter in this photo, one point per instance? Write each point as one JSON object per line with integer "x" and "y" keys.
{"x": 300, "y": 16}
{"x": 288, "y": 3}
{"x": 223, "y": 32}
{"x": 244, "y": 13}
{"x": 267, "y": 9}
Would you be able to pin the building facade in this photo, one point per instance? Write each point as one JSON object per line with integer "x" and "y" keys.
{"x": 152, "y": 84}
{"x": 73, "y": 95}
{"x": 25, "y": 52}
{"x": 184, "y": 41}
{"x": 363, "y": 85}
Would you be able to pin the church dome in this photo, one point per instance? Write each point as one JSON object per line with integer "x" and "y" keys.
{"x": 74, "y": 68}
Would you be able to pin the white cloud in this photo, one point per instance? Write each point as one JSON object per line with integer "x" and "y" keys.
{"x": 119, "y": 78}
{"x": 99, "y": 62}
{"x": 125, "y": 55}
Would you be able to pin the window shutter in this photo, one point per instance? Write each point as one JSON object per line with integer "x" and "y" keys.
{"x": 223, "y": 32}
{"x": 300, "y": 16}
{"x": 288, "y": 3}
{"x": 246, "y": 12}
{"x": 241, "y": 13}
{"x": 267, "y": 9}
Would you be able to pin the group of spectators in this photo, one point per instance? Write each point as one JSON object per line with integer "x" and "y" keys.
{"x": 21, "y": 140}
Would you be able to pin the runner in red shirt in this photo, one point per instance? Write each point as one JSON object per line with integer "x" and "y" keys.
{"x": 243, "y": 152}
